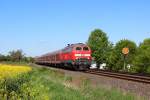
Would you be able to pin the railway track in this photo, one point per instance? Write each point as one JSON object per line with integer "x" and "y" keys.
{"x": 136, "y": 78}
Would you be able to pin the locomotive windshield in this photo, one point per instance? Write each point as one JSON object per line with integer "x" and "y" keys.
{"x": 85, "y": 48}
{"x": 78, "y": 48}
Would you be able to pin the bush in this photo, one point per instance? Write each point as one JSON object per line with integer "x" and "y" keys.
{"x": 117, "y": 58}
{"x": 11, "y": 87}
{"x": 141, "y": 61}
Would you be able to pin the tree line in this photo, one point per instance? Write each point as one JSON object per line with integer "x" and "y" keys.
{"x": 16, "y": 56}
{"x": 103, "y": 51}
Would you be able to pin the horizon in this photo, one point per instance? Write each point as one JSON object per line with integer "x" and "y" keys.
{"x": 38, "y": 27}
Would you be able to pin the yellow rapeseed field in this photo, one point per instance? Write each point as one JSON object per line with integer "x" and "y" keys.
{"x": 9, "y": 71}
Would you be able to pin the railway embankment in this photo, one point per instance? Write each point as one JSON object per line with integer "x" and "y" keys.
{"x": 109, "y": 83}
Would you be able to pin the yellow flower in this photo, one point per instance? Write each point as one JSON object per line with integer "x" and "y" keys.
{"x": 7, "y": 71}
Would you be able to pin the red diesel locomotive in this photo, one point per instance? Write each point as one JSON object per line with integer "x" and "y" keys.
{"x": 76, "y": 56}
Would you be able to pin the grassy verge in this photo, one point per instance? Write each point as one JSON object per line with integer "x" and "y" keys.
{"x": 14, "y": 63}
{"x": 45, "y": 84}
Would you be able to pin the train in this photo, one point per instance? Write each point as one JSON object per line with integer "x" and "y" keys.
{"x": 73, "y": 56}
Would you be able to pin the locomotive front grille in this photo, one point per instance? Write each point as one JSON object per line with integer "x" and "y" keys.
{"x": 82, "y": 61}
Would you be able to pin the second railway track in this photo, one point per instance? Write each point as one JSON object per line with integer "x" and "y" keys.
{"x": 136, "y": 78}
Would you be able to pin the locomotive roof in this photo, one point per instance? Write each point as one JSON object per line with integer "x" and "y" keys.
{"x": 81, "y": 44}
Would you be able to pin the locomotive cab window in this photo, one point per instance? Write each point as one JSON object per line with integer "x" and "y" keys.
{"x": 78, "y": 48}
{"x": 85, "y": 48}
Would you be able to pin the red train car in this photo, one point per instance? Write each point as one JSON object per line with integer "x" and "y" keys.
{"x": 77, "y": 56}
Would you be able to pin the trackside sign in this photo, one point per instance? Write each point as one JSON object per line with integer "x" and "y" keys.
{"x": 125, "y": 50}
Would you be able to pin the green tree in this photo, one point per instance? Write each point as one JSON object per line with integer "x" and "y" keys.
{"x": 99, "y": 44}
{"x": 142, "y": 59}
{"x": 117, "y": 57}
{"x": 2, "y": 57}
{"x": 28, "y": 59}
{"x": 16, "y": 55}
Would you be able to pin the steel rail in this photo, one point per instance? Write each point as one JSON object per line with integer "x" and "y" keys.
{"x": 142, "y": 79}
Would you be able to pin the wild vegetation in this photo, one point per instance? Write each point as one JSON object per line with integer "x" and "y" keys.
{"x": 11, "y": 79}
{"x": 117, "y": 57}
{"x": 45, "y": 84}
{"x": 10, "y": 71}
{"x": 104, "y": 51}
{"x": 16, "y": 56}
{"x": 141, "y": 60}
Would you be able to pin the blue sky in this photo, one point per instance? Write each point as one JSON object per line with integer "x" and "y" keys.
{"x": 41, "y": 26}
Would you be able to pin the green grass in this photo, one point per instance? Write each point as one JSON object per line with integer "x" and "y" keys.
{"x": 14, "y": 63}
{"x": 46, "y": 84}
